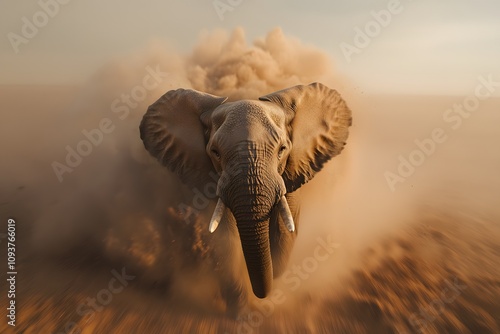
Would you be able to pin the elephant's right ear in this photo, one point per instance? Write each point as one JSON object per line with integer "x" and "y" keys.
{"x": 172, "y": 132}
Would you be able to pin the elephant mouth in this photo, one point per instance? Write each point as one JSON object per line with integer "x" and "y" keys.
{"x": 282, "y": 206}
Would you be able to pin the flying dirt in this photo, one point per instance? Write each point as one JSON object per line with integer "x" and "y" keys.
{"x": 398, "y": 234}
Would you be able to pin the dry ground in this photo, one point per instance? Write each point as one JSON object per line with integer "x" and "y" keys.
{"x": 440, "y": 275}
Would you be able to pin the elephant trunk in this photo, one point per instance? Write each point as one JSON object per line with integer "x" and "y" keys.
{"x": 256, "y": 249}
{"x": 251, "y": 212}
{"x": 251, "y": 197}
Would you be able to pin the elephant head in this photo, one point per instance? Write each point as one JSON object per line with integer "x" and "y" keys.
{"x": 260, "y": 150}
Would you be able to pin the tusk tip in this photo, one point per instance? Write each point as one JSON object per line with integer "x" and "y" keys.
{"x": 286, "y": 215}
{"x": 217, "y": 216}
{"x": 213, "y": 226}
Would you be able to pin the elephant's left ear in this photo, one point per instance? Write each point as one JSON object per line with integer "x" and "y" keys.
{"x": 172, "y": 132}
{"x": 319, "y": 120}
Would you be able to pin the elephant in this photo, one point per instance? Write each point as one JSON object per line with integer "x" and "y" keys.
{"x": 261, "y": 151}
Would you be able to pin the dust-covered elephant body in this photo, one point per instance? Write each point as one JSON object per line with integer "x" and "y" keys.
{"x": 260, "y": 151}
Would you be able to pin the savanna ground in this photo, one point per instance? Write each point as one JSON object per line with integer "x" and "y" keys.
{"x": 441, "y": 275}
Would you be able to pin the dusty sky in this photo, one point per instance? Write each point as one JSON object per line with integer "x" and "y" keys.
{"x": 425, "y": 46}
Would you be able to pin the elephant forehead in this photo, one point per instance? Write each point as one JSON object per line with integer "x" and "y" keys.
{"x": 249, "y": 113}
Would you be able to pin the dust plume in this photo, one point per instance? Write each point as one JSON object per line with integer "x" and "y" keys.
{"x": 117, "y": 207}
{"x": 116, "y": 202}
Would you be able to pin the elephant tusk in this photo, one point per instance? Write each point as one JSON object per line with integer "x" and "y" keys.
{"x": 217, "y": 216}
{"x": 285, "y": 213}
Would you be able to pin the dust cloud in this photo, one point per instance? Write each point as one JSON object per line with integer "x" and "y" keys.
{"x": 117, "y": 207}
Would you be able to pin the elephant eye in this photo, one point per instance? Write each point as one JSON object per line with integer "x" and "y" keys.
{"x": 216, "y": 153}
{"x": 281, "y": 151}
